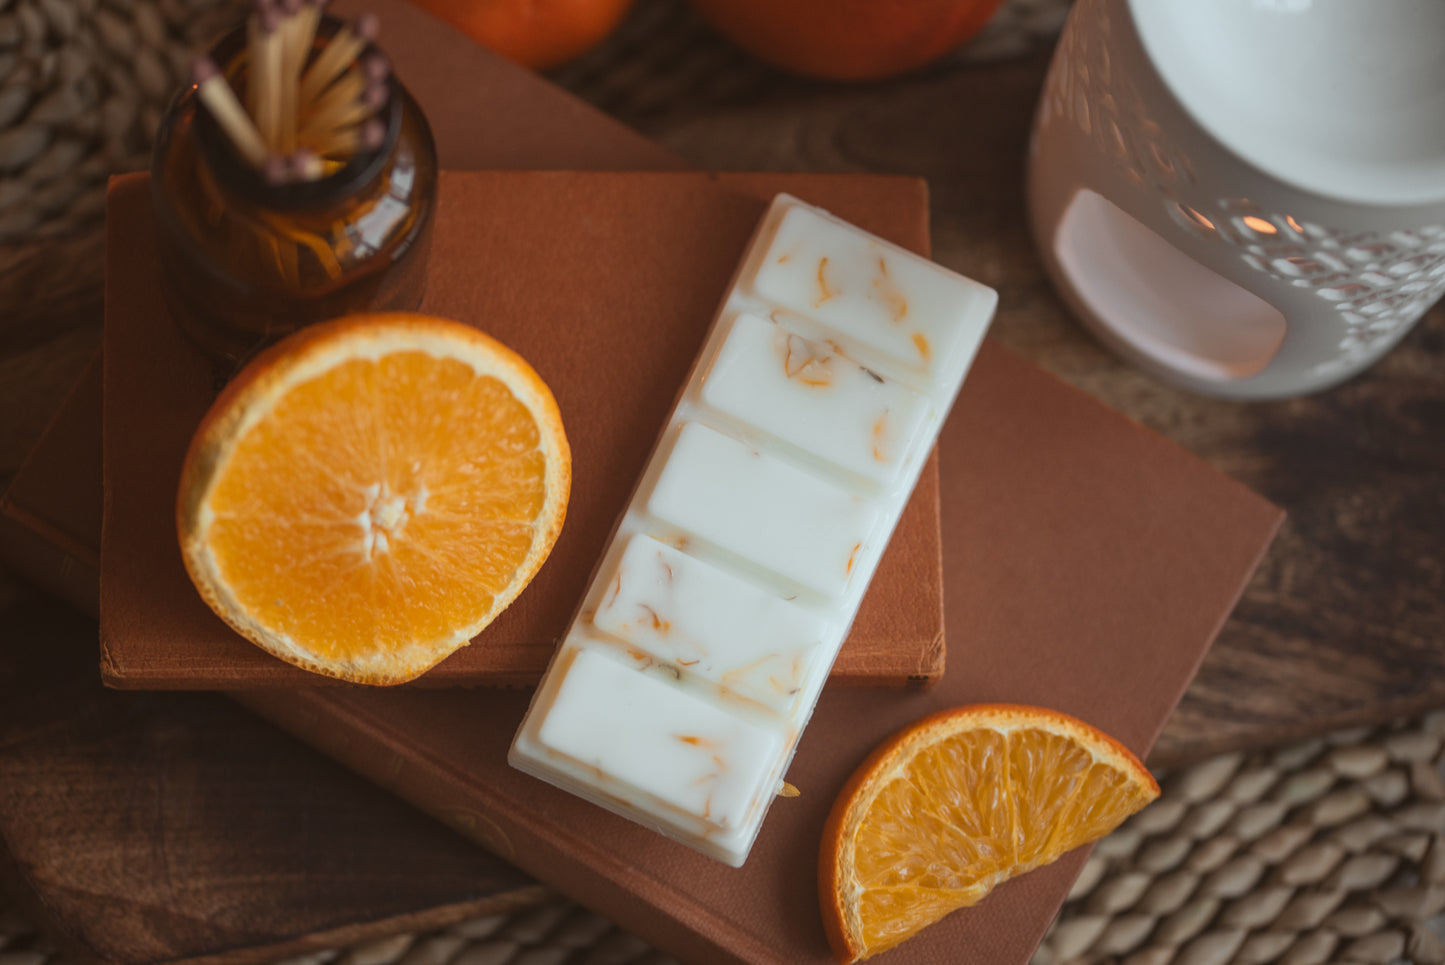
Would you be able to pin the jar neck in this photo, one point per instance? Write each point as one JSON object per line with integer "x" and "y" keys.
{"x": 240, "y": 180}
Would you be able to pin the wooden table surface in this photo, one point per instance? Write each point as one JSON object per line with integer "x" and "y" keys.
{"x": 156, "y": 827}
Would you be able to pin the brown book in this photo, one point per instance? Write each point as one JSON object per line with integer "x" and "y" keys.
{"x": 606, "y": 283}
{"x": 485, "y": 114}
{"x": 1089, "y": 565}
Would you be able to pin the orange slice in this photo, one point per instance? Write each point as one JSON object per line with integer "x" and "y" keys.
{"x": 958, "y": 802}
{"x": 370, "y": 493}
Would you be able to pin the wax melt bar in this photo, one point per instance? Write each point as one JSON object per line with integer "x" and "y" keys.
{"x": 679, "y": 693}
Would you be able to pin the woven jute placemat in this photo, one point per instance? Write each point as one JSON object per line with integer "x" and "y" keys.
{"x": 83, "y": 86}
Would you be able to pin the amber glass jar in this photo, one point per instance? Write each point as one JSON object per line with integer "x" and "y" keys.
{"x": 245, "y": 262}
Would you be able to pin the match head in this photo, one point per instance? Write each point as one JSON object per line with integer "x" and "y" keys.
{"x": 374, "y": 97}
{"x": 204, "y": 69}
{"x": 373, "y": 134}
{"x": 275, "y": 170}
{"x": 269, "y": 17}
{"x": 366, "y": 27}
{"x": 376, "y": 67}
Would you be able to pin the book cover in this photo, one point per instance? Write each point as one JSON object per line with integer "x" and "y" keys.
{"x": 606, "y": 283}
{"x": 1088, "y": 566}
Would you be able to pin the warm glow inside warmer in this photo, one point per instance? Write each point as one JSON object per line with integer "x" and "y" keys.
{"x": 1197, "y": 218}
{"x": 1159, "y": 301}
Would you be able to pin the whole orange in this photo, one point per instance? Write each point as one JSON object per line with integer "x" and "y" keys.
{"x": 534, "y": 33}
{"x": 848, "y": 39}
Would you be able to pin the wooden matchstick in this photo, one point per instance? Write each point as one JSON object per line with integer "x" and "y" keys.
{"x": 218, "y": 97}
{"x": 292, "y": 57}
{"x": 337, "y": 56}
{"x": 266, "y": 74}
{"x": 345, "y": 91}
{"x": 345, "y": 113}
{"x": 307, "y": 20}
{"x": 350, "y": 141}
{"x": 253, "y": 92}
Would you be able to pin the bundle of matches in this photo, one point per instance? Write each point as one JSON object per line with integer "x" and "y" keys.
{"x": 304, "y": 115}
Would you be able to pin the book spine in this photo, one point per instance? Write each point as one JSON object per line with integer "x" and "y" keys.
{"x": 329, "y": 727}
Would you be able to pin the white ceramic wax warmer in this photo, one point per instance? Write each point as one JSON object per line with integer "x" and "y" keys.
{"x": 1245, "y": 197}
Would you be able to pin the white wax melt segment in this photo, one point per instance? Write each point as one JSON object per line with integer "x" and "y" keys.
{"x": 759, "y": 507}
{"x": 698, "y": 652}
{"x": 689, "y": 614}
{"x": 903, "y": 306}
{"x": 647, "y": 737}
{"x": 809, "y": 394}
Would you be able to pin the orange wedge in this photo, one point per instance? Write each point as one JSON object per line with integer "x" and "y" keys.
{"x": 958, "y": 802}
{"x": 370, "y": 493}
